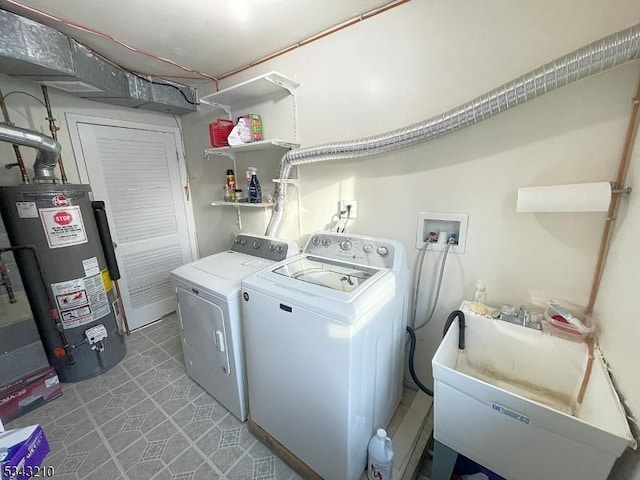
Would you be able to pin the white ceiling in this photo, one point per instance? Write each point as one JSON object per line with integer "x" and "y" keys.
{"x": 209, "y": 36}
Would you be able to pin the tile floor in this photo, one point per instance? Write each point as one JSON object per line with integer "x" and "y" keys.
{"x": 145, "y": 419}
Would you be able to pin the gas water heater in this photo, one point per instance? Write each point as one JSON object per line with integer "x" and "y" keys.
{"x": 58, "y": 237}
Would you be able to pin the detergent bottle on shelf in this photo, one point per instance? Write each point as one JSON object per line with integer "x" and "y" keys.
{"x": 255, "y": 192}
{"x": 380, "y": 456}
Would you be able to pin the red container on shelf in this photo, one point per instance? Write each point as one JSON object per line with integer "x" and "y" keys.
{"x": 219, "y": 131}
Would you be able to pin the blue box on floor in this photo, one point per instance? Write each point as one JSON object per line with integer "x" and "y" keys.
{"x": 466, "y": 466}
{"x": 22, "y": 452}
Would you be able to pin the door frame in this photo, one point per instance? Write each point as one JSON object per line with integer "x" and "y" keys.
{"x": 73, "y": 119}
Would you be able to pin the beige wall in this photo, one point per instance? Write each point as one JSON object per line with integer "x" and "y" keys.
{"x": 417, "y": 61}
{"x": 617, "y": 312}
{"x": 406, "y": 65}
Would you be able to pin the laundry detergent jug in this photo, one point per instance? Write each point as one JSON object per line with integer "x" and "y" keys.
{"x": 380, "y": 459}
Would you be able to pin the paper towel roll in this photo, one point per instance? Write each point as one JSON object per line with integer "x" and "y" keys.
{"x": 578, "y": 197}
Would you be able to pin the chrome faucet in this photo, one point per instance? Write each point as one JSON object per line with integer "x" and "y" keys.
{"x": 523, "y": 317}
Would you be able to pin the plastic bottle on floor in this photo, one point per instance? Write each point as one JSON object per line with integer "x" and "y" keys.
{"x": 380, "y": 459}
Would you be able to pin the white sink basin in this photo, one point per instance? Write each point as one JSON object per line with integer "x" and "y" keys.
{"x": 508, "y": 402}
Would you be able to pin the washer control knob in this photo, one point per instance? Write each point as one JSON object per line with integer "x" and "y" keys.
{"x": 383, "y": 251}
{"x": 368, "y": 248}
{"x": 236, "y": 240}
{"x": 345, "y": 245}
{"x": 279, "y": 249}
{"x": 243, "y": 241}
{"x": 256, "y": 244}
{"x": 315, "y": 240}
{"x": 326, "y": 242}
{"x": 272, "y": 248}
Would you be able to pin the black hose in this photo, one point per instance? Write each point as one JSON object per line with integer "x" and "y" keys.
{"x": 461, "y": 325}
{"x": 412, "y": 346}
{"x": 412, "y": 371}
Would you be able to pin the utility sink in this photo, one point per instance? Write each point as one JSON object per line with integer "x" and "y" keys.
{"x": 509, "y": 402}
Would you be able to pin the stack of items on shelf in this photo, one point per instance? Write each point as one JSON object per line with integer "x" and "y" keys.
{"x": 234, "y": 194}
{"x": 247, "y": 129}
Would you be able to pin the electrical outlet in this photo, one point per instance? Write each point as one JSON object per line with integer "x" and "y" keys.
{"x": 354, "y": 208}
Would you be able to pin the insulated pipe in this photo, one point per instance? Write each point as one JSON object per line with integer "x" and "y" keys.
{"x": 601, "y": 55}
{"x": 16, "y": 149}
{"x": 54, "y": 130}
{"x": 48, "y": 149}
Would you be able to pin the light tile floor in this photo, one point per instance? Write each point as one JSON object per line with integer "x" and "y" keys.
{"x": 145, "y": 419}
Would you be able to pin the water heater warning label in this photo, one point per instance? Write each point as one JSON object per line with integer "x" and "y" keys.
{"x": 82, "y": 300}
{"x": 63, "y": 226}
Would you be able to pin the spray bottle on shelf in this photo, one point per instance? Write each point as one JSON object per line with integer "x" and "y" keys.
{"x": 479, "y": 300}
{"x": 255, "y": 191}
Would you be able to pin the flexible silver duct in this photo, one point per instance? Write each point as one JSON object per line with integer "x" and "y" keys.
{"x": 611, "y": 51}
{"x": 48, "y": 149}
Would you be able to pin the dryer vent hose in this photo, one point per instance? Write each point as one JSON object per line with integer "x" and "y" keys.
{"x": 601, "y": 55}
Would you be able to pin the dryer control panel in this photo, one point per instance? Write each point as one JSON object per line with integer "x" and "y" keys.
{"x": 275, "y": 249}
{"x": 374, "y": 252}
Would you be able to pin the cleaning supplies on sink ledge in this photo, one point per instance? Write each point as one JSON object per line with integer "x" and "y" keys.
{"x": 479, "y": 301}
{"x": 565, "y": 319}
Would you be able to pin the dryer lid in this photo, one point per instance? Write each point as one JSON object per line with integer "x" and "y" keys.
{"x": 327, "y": 273}
{"x": 231, "y": 265}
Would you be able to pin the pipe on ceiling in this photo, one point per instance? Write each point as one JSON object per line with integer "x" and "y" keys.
{"x": 596, "y": 57}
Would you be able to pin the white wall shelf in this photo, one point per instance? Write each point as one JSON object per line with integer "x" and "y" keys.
{"x": 291, "y": 181}
{"x": 262, "y": 86}
{"x": 222, "y": 203}
{"x": 263, "y": 145}
{"x": 245, "y": 94}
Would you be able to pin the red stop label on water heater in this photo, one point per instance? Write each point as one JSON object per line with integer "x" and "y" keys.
{"x": 62, "y": 218}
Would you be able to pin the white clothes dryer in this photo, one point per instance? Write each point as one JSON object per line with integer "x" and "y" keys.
{"x": 324, "y": 335}
{"x": 208, "y": 293}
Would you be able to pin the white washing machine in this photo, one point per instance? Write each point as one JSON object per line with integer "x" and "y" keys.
{"x": 208, "y": 292}
{"x": 324, "y": 336}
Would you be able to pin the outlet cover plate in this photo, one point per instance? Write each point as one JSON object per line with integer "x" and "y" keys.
{"x": 354, "y": 208}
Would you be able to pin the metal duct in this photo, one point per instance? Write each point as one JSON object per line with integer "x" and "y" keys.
{"x": 155, "y": 94}
{"x": 30, "y": 48}
{"x": 48, "y": 149}
{"x": 170, "y": 97}
{"x": 138, "y": 93}
{"x": 39, "y": 53}
{"x": 601, "y": 55}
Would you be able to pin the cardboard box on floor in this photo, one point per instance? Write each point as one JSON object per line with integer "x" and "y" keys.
{"x": 28, "y": 393}
{"x": 22, "y": 452}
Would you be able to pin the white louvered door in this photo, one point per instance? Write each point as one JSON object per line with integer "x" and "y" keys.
{"x": 137, "y": 173}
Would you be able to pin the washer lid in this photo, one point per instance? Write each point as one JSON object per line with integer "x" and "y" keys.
{"x": 327, "y": 273}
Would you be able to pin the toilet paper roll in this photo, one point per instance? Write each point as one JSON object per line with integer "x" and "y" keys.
{"x": 578, "y": 197}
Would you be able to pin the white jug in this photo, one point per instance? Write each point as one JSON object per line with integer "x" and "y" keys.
{"x": 380, "y": 461}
